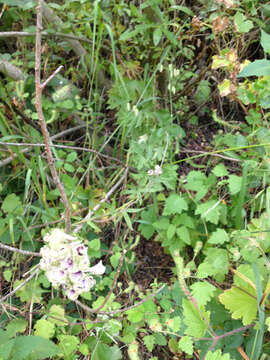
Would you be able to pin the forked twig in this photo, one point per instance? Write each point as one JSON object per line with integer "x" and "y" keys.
{"x": 42, "y": 119}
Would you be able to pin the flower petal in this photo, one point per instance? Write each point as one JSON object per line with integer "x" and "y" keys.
{"x": 98, "y": 269}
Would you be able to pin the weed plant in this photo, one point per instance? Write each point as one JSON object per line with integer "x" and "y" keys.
{"x": 159, "y": 132}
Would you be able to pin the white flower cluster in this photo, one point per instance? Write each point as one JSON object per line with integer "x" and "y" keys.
{"x": 66, "y": 264}
{"x": 157, "y": 171}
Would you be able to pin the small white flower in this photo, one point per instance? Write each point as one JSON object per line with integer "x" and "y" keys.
{"x": 158, "y": 170}
{"x": 98, "y": 269}
{"x": 66, "y": 263}
{"x": 161, "y": 67}
{"x": 142, "y": 139}
{"x": 176, "y": 72}
{"x": 128, "y": 106}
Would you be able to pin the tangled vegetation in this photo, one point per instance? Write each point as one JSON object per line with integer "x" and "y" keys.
{"x": 135, "y": 171}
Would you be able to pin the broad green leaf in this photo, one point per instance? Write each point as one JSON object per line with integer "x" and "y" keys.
{"x": 186, "y": 345}
{"x": 215, "y": 264}
{"x": 220, "y": 170}
{"x": 175, "y": 204}
{"x": 235, "y": 183}
{"x": 57, "y": 315}
{"x": 219, "y": 237}
{"x": 71, "y": 156}
{"x": 149, "y": 342}
{"x": 203, "y": 91}
{"x": 265, "y": 41}
{"x": 12, "y": 205}
{"x": 160, "y": 339}
{"x": 241, "y": 23}
{"x": 35, "y": 346}
{"x": 171, "y": 231}
{"x": 16, "y": 326}
{"x": 106, "y": 352}
{"x": 209, "y": 211}
{"x": 174, "y": 323}
{"x": 157, "y": 34}
{"x": 256, "y": 68}
{"x": 183, "y": 234}
{"x": 114, "y": 259}
{"x": 217, "y": 355}
{"x": 68, "y": 344}
{"x": 203, "y": 292}
{"x": 240, "y": 304}
{"x": 6, "y": 349}
{"x": 135, "y": 315}
{"x": 44, "y": 328}
{"x": 146, "y": 223}
{"x": 196, "y": 326}
{"x": 69, "y": 167}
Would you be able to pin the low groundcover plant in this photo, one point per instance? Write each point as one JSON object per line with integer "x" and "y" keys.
{"x": 66, "y": 264}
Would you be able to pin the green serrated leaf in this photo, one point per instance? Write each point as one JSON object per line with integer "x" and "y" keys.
{"x": 12, "y": 205}
{"x": 135, "y": 315}
{"x": 209, "y": 211}
{"x": 196, "y": 326}
{"x": 215, "y": 264}
{"x": 241, "y": 23}
{"x": 174, "y": 323}
{"x": 175, "y": 204}
{"x": 146, "y": 224}
{"x": 186, "y": 345}
{"x": 240, "y": 304}
{"x": 36, "y": 346}
{"x": 68, "y": 344}
{"x": 44, "y": 328}
{"x": 203, "y": 292}
{"x": 16, "y": 326}
{"x": 217, "y": 355}
{"x": 183, "y": 234}
{"x": 149, "y": 342}
{"x": 235, "y": 183}
{"x": 218, "y": 237}
{"x": 57, "y": 315}
{"x": 220, "y": 170}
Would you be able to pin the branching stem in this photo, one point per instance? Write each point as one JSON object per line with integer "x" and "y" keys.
{"x": 41, "y": 118}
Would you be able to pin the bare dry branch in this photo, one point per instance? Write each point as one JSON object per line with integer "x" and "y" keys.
{"x": 43, "y": 122}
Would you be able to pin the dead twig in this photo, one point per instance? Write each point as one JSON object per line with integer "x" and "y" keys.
{"x": 42, "y": 121}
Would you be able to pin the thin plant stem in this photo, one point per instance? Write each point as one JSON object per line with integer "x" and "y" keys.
{"x": 114, "y": 312}
{"x": 41, "y": 118}
{"x": 23, "y": 252}
{"x": 113, "y": 283}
